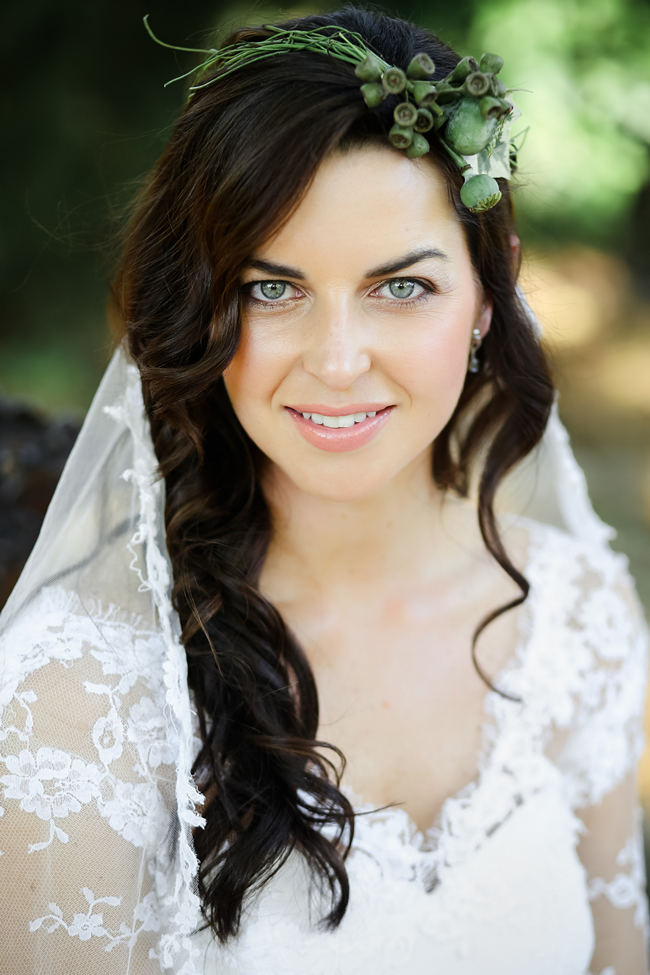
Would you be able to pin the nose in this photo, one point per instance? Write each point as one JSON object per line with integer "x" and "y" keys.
{"x": 337, "y": 348}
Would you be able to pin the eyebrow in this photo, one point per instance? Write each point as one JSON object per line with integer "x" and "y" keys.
{"x": 413, "y": 257}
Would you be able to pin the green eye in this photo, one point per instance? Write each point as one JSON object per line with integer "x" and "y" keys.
{"x": 273, "y": 289}
{"x": 401, "y": 288}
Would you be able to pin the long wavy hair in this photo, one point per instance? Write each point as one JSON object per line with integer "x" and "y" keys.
{"x": 238, "y": 161}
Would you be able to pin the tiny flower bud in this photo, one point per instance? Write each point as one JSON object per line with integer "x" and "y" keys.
{"x": 393, "y": 80}
{"x": 479, "y": 193}
{"x": 424, "y": 92}
{"x": 423, "y": 121}
{"x": 462, "y": 69}
{"x": 491, "y": 63}
{"x": 497, "y": 87}
{"x": 400, "y": 136}
{"x": 421, "y": 66}
{"x": 419, "y": 147}
{"x": 372, "y": 93}
{"x": 369, "y": 69}
{"x": 405, "y": 114}
{"x": 490, "y": 107}
{"x": 477, "y": 84}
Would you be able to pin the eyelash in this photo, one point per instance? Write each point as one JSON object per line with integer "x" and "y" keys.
{"x": 429, "y": 289}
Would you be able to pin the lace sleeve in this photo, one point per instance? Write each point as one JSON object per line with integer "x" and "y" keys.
{"x": 600, "y": 754}
{"x": 87, "y": 807}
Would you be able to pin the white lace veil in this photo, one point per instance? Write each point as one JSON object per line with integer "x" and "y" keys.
{"x": 103, "y": 540}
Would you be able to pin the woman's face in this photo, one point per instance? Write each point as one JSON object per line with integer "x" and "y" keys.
{"x": 363, "y": 302}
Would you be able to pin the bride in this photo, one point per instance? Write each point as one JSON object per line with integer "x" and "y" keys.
{"x": 322, "y": 661}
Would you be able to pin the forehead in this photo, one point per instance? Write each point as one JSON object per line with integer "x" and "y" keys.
{"x": 365, "y": 202}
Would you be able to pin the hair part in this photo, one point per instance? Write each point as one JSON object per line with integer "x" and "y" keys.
{"x": 238, "y": 162}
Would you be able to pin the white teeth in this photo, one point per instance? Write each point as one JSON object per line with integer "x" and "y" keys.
{"x": 334, "y": 422}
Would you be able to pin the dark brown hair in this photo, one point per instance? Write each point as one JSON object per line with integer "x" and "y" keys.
{"x": 239, "y": 160}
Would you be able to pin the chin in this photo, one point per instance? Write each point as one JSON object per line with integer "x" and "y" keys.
{"x": 344, "y": 485}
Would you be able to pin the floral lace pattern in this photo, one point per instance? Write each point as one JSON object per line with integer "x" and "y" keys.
{"x": 627, "y": 889}
{"x": 127, "y": 765}
{"x": 124, "y": 775}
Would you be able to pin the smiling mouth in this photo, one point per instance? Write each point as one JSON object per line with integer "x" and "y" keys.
{"x": 336, "y": 422}
{"x": 337, "y": 433}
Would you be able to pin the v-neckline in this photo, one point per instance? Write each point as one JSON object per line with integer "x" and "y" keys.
{"x": 427, "y": 840}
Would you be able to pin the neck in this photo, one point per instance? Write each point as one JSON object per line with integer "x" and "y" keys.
{"x": 343, "y": 548}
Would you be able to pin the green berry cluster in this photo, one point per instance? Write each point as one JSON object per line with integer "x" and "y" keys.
{"x": 466, "y": 109}
{"x": 411, "y": 118}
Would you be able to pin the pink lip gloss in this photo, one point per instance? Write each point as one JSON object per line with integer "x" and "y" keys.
{"x": 340, "y": 438}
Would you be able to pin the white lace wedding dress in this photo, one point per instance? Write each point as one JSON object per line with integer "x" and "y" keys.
{"x": 535, "y": 867}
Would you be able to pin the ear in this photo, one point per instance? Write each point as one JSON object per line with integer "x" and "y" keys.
{"x": 515, "y": 251}
{"x": 484, "y": 319}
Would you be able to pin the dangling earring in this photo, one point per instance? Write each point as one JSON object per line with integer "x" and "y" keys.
{"x": 474, "y": 364}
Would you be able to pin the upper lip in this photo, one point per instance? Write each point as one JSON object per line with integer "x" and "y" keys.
{"x": 339, "y": 410}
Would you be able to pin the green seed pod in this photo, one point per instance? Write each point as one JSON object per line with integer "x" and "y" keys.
{"x": 491, "y": 63}
{"x": 479, "y": 193}
{"x": 372, "y": 93}
{"x": 446, "y": 95}
{"x": 497, "y": 87}
{"x": 423, "y": 92}
{"x": 393, "y": 80}
{"x": 423, "y": 121}
{"x": 439, "y": 120}
{"x": 419, "y": 147}
{"x": 369, "y": 69}
{"x": 421, "y": 66}
{"x": 467, "y": 131}
{"x": 405, "y": 114}
{"x": 462, "y": 69}
{"x": 476, "y": 84}
{"x": 400, "y": 136}
{"x": 490, "y": 107}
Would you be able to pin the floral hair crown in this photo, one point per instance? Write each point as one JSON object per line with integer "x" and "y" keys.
{"x": 467, "y": 110}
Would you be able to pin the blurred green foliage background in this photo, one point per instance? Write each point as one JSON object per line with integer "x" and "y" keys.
{"x": 86, "y": 115}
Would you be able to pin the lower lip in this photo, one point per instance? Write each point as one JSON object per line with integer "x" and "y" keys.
{"x": 340, "y": 438}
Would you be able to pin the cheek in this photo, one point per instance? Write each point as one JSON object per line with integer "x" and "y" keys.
{"x": 433, "y": 366}
{"x": 252, "y": 373}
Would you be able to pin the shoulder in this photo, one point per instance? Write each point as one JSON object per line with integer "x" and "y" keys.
{"x": 588, "y": 580}
{"x": 81, "y": 637}
{"x": 584, "y": 605}
{"x": 588, "y": 658}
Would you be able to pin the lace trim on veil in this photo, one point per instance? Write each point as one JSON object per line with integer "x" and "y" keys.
{"x": 155, "y": 576}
